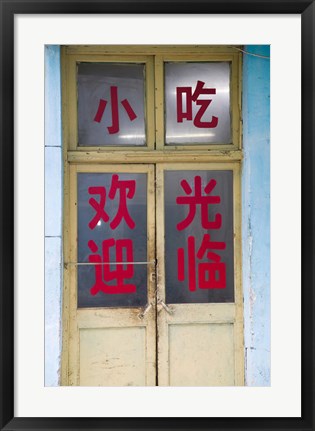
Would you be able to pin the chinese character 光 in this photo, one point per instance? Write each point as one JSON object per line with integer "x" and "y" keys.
{"x": 126, "y": 190}
{"x": 211, "y": 274}
{"x": 194, "y": 97}
{"x": 198, "y": 199}
{"x": 114, "y": 128}
{"x": 104, "y": 273}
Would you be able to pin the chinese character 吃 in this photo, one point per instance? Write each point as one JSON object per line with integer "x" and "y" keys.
{"x": 186, "y": 114}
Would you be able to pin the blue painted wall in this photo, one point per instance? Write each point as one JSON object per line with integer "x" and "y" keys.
{"x": 53, "y": 215}
{"x": 255, "y": 225}
{"x": 256, "y": 214}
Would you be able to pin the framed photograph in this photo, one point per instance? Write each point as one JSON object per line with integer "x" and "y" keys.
{"x": 157, "y": 215}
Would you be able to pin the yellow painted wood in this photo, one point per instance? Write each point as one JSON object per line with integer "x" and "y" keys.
{"x": 71, "y": 101}
{"x": 149, "y": 49}
{"x": 201, "y": 354}
{"x": 159, "y": 102}
{"x": 239, "y": 312}
{"x": 83, "y": 157}
{"x": 113, "y": 356}
{"x": 200, "y": 313}
{"x": 188, "y": 328}
{"x": 73, "y": 361}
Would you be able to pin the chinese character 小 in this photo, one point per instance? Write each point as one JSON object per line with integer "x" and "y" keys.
{"x": 114, "y": 128}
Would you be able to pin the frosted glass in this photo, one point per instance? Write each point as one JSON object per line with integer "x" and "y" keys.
{"x": 184, "y": 122}
{"x": 111, "y": 104}
{"x": 184, "y": 281}
{"x": 110, "y": 230}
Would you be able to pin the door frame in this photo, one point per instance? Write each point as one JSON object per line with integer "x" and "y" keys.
{"x": 75, "y": 157}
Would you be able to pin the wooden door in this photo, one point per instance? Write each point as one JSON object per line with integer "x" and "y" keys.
{"x": 200, "y": 313}
{"x": 111, "y": 338}
{"x": 193, "y": 311}
{"x": 197, "y": 326}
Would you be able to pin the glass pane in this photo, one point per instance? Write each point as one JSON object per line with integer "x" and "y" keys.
{"x": 197, "y": 100}
{"x": 199, "y": 262}
{"x": 111, "y": 104}
{"x": 112, "y": 220}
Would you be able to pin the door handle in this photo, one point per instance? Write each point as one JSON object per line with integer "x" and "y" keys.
{"x": 168, "y": 309}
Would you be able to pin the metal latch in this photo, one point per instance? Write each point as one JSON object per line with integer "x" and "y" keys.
{"x": 145, "y": 310}
{"x": 168, "y": 309}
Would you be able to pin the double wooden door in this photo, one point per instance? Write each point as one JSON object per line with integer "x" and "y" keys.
{"x": 152, "y": 290}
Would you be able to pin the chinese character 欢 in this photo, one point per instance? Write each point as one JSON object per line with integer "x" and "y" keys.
{"x": 197, "y": 199}
{"x": 126, "y": 190}
{"x": 194, "y": 97}
{"x": 114, "y": 128}
{"x": 104, "y": 273}
{"x": 211, "y": 274}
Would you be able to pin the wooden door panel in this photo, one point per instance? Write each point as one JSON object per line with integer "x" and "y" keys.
{"x": 113, "y": 356}
{"x": 114, "y": 345}
{"x": 200, "y": 343}
{"x": 201, "y": 355}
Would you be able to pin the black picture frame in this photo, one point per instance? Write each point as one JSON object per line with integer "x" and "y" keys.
{"x": 9, "y": 8}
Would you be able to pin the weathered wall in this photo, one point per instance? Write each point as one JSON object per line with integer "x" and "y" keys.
{"x": 53, "y": 215}
{"x": 256, "y": 214}
{"x": 256, "y": 262}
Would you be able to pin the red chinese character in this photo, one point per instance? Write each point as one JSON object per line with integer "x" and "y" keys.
{"x": 104, "y": 273}
{"x": 194, "y": 97}
{"x": 122, "y": 212}
{"x": 114, "y": 128}
{"x": 126, "y": 190}
{"x": 198, "y": 199}
{"x": 211, "y": 275}
{"x": 98, "y": 206}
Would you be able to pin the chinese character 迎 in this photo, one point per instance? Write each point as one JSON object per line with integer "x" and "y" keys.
{"x": 104, "y": 273}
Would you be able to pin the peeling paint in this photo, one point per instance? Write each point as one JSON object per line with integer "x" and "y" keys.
{"x": 256, "y": 223}
{"x": 53, "y": 216}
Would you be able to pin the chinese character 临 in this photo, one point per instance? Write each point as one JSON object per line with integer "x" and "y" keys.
{"x": 211, "y": 274}
{"x": 114, "y": 128}
{"x": 186, "y": 114}
{"x": 103, "y": 270}
{"x": 192, "y": 200}
{"x": 126, "y": 190}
